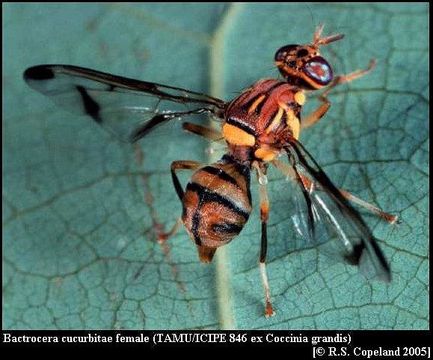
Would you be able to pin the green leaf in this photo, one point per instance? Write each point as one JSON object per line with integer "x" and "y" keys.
{"x": 80, "y": 211}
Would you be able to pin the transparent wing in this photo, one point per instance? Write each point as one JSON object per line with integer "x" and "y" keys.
{"x": 126, "y": 107}
{"x": 302, "y": 222}
{"x": 321, "y": 205}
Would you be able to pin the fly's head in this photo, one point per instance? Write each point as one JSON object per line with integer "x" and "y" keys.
{"x": 303, "y": 66}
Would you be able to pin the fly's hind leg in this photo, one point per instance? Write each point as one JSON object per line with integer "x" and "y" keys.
{"x": 264, "y": 215}
{"x": 175, "y": 166}
{"x": 164, "y": 236}
{"x": 389, "y": 218}
{"x": 317, "y": 114}
{"x": 290, "y": 173}
{"x": 182, "y": 165}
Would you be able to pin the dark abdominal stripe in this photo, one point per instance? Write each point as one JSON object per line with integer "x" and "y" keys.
{"x": 220, "y": 173}
{"x": 241, "y": 169}
{"x": 227, "y": 228}
{"x": 207, "y": 196}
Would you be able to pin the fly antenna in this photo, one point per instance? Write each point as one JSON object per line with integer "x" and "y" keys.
{"x": 318, "y": 40}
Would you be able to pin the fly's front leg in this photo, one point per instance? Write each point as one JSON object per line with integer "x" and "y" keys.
{"x": 341, "y": 79}
{"x": 308, "y": 184}
{"x": 264, "y": 216}
{"x": 317, "y": 114}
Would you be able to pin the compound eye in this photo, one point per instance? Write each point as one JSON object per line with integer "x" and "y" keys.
{"x": 318, "y": 70}
{"x": 282, "y": 52}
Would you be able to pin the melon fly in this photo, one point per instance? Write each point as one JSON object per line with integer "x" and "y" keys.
{"x": 259, "y": 127}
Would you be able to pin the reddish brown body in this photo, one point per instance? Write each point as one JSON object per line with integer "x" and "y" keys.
{"x": 268, "y": 112}
{"x": 216, "y": 205}
{"x": 217, "y": 200}
{"x": 257, "y": 125}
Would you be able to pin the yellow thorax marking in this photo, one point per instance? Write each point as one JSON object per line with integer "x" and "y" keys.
{"x": 293, "y": 123}
{"x": 276, "y": 121}
{"x": 236, "y": 136}
{"x": 265, "y": 153}
{"x": 300, "y": 98}
{"x": 256, "y": 103}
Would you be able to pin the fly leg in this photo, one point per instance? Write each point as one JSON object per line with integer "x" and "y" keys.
{"x": 164, "y": 236}
{"x": 389, "y": 218}
{"x": 182, "y": 165}
{"x": 341, "y": 79}
{"x": 308, "y": 184}
{"x": 211, "y": 134}
{"x": 175, "y": 166}
{"x": 161, "y": 119}
{"x": 264, "y": 215}
{"x": 203, "y": 131}
{"x": 317, "y": 114}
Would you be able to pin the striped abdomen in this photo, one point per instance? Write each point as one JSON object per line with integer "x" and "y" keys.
{"x": 216, "y": 205}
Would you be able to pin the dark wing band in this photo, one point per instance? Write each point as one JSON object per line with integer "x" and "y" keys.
{"x": 121, "y": 104}
{"x": 360, "y": 247}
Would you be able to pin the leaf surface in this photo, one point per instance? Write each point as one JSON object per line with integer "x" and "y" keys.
{"x": 80, "y": 210}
